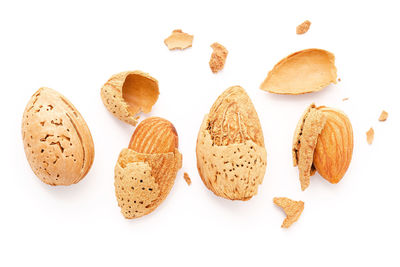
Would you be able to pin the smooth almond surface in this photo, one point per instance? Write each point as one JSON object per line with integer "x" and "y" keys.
{"x": 302, "y": 72}
{"x": 57, "y": 140}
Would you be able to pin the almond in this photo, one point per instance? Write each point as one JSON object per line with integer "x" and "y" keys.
{"x": 231, "y": 155}
{"x": 57, "y": 140}
{"x": 323, "y": 142}
{"x": 146, "y": 170}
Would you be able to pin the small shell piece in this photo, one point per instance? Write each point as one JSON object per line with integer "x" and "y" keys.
{"x": 303, "y": 28}
{"x": 293, "y": 210}
{"x": 218, "y": 57}
{"x": 57, "y": 140}
{"x": 302, "y": 72}
{"x": 384, "y": 115}
{"x": 370, "y": 136}
{"x": 127, "y": 93}
{"x": 178, "y": 40}
{"x": 231, "y": 155}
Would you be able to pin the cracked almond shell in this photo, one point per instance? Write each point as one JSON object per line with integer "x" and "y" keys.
{"x": 323, "y": 142}
{"x": 305, "y": 71}
{"x": 127, "y": 93}
{"x": 231, "y": 155}
{"x": 57, "y": 140}
{"x": 146, "y": 170}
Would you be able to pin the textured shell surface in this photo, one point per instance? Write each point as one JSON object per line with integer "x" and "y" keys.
{"x": 231, "y": 156}
{"x": 57, "y": 140}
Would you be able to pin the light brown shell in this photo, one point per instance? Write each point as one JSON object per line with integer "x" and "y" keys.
{"x": 218, "y": 57}
{"x": 231, "y": 156}
{"x": 305, "y": 71}
{"x": 57, "y": 141}
{"x": 143, "y": 181}
{"x": 178, "y": 40}
{"x": 127, "y": 93}
{"x": 292, "y": 208}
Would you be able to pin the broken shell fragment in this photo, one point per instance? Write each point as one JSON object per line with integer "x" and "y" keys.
{"x": 303, "y": 27}
{"x": 178, "y": 40}
{"x": 292, "y": 208}
{"x": 127, "y": 93}
{"x": 323, "y": 142}
{"x": 230, "y": 150}
{"x": 218, "y": 57}
{"x": 57, "y": 140}
{"x": 302, "y": 72}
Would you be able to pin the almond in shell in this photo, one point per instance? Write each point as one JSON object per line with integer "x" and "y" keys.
{"x": 231, "y": 155}
{"x": 323, "y": 142}
{"x": 127, "y": 93}
{"x": 146, "y": 170}
{"x": 57, "y": 140}
{"x": 305, "y": 71}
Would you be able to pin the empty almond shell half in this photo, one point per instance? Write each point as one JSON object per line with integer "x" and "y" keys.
{"x": 146, "y": 170}
{"x": 127, "y": 93}
{"x": 57, "y": 140}
{"x": 302, "y": 72}
{"x": 231, "y": 155}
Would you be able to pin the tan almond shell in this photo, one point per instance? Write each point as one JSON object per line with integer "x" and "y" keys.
{"x": 292, "y": 208}
{"x": 304, "y": 142}
{"x": 178, "y": 40}
{"x": 305, "y": 71}
{"x": 232, "y": 166}
{"x": 218, "y": 57}
{"x": 145, "y": 96}
{"x": 57, "y": 140}
{"x": 143, "y": 181}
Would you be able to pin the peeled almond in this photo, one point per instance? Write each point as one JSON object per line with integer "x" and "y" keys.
{"x": 302, "y": 72}
{"x": 127, "y": 93}
{"x": 323, "y": 142}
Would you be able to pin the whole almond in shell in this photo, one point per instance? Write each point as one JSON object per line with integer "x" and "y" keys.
{"x": 127, "y": 93}
{"x": 323, "y": 142}
{"x": 146, "y": 170}
{"x": 231, "y": 155}
{"x": 57, "y": 140}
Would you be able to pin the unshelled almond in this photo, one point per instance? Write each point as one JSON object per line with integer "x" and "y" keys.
{"x": 323, "y": 142}
{"x": 231, "y": 155}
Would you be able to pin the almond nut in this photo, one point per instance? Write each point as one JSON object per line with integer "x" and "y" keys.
{"x": 146, "y": 170}
{"x": 57, "y": 140}
{"x": 127, "y": 93}
{"x": 302, "y": 72}
{"x": 323, "y": 142}
{"x": 231, "y": 156}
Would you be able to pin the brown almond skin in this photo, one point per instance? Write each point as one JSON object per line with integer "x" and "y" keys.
{"x": 154, "y": 135}
{"x": 334, "y": 150}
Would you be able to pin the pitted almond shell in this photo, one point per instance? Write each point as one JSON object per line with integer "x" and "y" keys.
{"x": 57, "y": 140}
{"x": 127, "y": 93}
{"x": 305, "y": 71}
{"x": 231, "y": 156}
{"x": 323, "y": 142}
{"x": 143, "y": 181}
{"x": 146, "y": 171}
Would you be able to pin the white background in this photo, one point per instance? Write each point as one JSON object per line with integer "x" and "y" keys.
{"x": 75, "y": 46}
